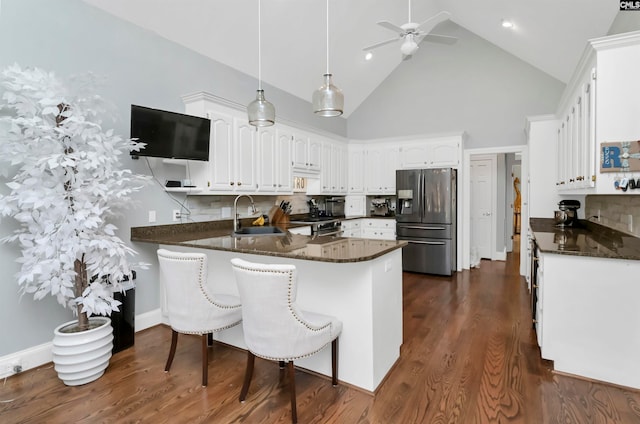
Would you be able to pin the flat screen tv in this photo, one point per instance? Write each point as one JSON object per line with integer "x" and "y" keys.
{"x": 170, "y": 134}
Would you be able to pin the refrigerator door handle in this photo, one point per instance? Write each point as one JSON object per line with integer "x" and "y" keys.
{"x": 413, "y": 227}
{"x": 437, "y": 243}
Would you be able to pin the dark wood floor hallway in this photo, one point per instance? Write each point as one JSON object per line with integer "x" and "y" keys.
{"x": 469, "y": 356}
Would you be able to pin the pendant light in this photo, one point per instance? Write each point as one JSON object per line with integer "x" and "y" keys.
{"x": 328, "y": 100}
{"x": 261, "y": 113}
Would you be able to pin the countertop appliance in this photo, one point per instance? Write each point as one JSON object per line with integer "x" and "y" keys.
{"x": 380, "y": 207}
{"x": 567, "y": 215}
{"x": 426, "y": 218}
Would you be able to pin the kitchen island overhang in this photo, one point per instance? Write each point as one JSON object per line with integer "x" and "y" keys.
{"x": 357, "y": 280}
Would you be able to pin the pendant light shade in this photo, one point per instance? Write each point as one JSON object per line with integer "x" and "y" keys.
{"x": 260, "y": 112}
{"x": 328, "y": 100}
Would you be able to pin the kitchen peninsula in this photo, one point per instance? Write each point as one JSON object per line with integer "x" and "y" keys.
{"x": 357, "y": 280}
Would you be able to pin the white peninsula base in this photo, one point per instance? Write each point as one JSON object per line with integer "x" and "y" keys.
{"x": 366, "y": 296}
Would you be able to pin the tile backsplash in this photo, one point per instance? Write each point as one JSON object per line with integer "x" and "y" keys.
{"x": 616, "y": 211}
{"x": 214, "y": 208}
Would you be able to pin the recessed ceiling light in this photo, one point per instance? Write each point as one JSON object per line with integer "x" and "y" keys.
{"x": 368, "y": 56}
{"x": 506, "y": 23}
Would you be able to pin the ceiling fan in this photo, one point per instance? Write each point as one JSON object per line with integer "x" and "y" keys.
{"x": 413, "y": 33}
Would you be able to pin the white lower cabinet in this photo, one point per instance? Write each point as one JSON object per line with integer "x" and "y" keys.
{"x": 588, "y": 316}
{"x": 351, "y": 228}
{"x": 376, "y": 228}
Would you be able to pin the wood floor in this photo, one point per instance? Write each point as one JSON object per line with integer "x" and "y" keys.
{"x": 469, "y": 356}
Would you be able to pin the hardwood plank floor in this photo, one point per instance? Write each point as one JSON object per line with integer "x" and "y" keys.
{"x": 469, "y": 356}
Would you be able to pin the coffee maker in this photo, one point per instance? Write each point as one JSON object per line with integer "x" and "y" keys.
{"x": 567, "y": 213}
{"x": 380, "y": 207}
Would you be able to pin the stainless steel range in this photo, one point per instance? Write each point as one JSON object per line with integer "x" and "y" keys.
{"x": 321, "y": 225}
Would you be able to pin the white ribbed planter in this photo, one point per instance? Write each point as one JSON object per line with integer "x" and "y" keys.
{"x": 82, "y": 357}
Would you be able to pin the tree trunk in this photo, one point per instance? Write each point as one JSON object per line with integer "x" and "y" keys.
{"x": 81, "y": 283}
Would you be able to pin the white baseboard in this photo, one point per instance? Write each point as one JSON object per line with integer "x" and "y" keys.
{"x": 36, "y": 356}
{"x": 500, "y": 256}
{"x": 149, "y": 319}
{"x": 28, "y": 358}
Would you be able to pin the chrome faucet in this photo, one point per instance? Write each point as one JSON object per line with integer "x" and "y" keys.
{"x": 236, "y": 223}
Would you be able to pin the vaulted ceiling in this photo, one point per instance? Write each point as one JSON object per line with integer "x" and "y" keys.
{"x": 548, "y": 34}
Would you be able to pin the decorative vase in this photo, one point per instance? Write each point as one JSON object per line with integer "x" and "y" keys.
{"x": 80, "y": 357}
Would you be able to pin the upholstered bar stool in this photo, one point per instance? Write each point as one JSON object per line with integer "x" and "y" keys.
{"x": 274, "y": 327}
{"x": 192, "y": 306}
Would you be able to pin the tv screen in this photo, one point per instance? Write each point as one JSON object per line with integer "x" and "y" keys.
{"x": 170, "y": 134}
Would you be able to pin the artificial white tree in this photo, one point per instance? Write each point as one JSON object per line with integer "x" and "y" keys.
{"x": 67, "y": 185}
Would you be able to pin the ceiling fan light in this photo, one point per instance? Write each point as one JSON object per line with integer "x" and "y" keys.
{"x": 261, "y": 113}
{"x": 328, "y": 100}
{"x": 368, "y": 56}
{"x": 409, "y": 46}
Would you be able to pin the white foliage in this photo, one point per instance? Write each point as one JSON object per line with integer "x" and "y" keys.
{"x": 68, "y": 184}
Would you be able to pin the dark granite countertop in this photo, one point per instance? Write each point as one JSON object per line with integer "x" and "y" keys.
{"x": 589, "y": 239}
{"x": 216, "y": 235}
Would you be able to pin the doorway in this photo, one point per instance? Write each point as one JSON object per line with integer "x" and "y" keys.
{"x": 475, "y": 154}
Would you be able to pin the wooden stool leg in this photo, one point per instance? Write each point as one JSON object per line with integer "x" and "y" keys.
{"x": 205, "y": 359}
{"x": 172, "y": 351}
{"x": 334, "y": 362}
{"x": 292, "y": 387}
{"x": 251, "y": 358}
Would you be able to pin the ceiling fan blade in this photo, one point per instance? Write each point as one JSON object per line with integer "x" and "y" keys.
{"x": 442, "y": 39}
{"x": 382, "y": 43}
{"x": 435, "y": 20}
{"x": 392, "y": 27}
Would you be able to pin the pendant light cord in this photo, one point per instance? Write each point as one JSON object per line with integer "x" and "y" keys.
{"x": 409, "y": 11}
{"x": 327, "y": 36}
{"x": 259, "y": 47}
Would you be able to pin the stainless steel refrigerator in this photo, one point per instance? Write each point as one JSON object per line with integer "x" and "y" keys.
{"x": 426, "y": 218}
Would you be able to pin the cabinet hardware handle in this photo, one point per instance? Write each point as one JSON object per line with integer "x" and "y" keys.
{"x": 231, "y": 183}
{"x": 239, "y": 183}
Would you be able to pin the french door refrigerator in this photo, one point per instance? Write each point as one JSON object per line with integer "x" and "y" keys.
{"x": 426, "y": 218}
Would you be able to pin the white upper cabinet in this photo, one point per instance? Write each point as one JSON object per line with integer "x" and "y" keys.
{"x": 333, "y": 175}
{"x": 355, "y": 179}
{"x": 381, "y": 163}
{"x": 441, "y": 152}
{"x": 274, "y": 160}
{"x": 598, "y": 106}
{"x": 307, "y": 152}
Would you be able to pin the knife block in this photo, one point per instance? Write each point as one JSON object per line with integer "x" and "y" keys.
{"x": 277, "y": 216}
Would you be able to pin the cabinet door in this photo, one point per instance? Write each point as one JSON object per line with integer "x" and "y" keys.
{"x": 390, "y": 165}
{"x": 245, "y": 156}
{"x": 374, "y": 165}
{"x": 267, "y": 158}
{"x": 300, "y": 151}
{"x": 414, "y": 156}
{"x": 356, "y": 171}
{"x": 327, "y": 175}
{"x": 444, "y": 154}
{"x": 314, "y": 154}
{"x": 341, "y": 158}
{"x": 221, "y": 154}
{"x": 284, "y": 171}
{"x": 589, "y": 138}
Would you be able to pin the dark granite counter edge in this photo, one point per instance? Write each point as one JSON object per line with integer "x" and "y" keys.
{"x": 182, "y": 234}
{"x": 610, "y": 239}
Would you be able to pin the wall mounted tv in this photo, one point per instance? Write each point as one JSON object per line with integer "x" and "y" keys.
{"x": 170, "y": 134}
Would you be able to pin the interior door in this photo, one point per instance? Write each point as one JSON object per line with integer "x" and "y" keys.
{"x": 481, "y": 206}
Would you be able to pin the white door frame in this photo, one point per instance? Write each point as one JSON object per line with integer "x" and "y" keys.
{"x": 466, "y": 198}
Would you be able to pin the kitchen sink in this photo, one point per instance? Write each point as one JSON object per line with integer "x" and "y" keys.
{"x": 259, "y": 231}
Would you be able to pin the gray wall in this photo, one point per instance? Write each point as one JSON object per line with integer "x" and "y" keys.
{"x": 71, "y": 37}
{"x": 471, "y": 85}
